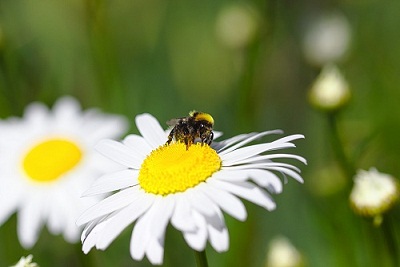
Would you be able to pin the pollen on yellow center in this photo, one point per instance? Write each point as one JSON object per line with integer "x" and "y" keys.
{"x": 50, "y": 159}
{"x": 173, "y": 168}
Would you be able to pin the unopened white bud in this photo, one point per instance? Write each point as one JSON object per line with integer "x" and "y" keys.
{"x": 373, "y": 193}
{"x": 330, "y": 90}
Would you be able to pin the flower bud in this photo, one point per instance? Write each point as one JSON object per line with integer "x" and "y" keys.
{"x": 330, "y": 90}
{"x": 373, "y": 193}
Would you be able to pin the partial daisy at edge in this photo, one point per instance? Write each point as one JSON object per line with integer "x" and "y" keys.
{"x": 47, "y": 160}
{"x": 189, "y": 188}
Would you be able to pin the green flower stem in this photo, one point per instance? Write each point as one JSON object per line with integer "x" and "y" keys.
{"x": 337, "y": 146}
{"x": 390, "y": 239}
{"x": 201, "y": 258}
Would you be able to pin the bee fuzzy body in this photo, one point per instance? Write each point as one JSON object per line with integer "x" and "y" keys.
{"x": 197, "y": 125}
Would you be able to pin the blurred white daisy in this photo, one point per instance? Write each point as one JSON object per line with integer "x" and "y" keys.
{"x": 46, "y": 161}
{"x": 189, "y": 188}
{"x": 237, "y": 25}
{"x": 26, "y": 262}
{"x": 327, "y": 39}
{"x": 373, "y": 193}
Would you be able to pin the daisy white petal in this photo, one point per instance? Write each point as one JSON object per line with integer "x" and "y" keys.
{"x": 287, "y": 156}
{"x": 262, "y": 165}
{"x": 155, "y": 251}
{"x": 291, "y": 173}
{"x": 237, "y": 161}
{"x": 112, "y": 182}
{"x": 138, "y": 144}
{"x": 249, "y": 151}
{"x": 29, "y": 223}
{"x": 151, "y": 130}
{"x": 55, "y": 219}
{"x": 9, "y": 205}
{"x": 163, "y": 208}
{"x": 230, "y": 141}
{"x": 232, "y": 175}
{"x": 90, "y": 234}
{"x": 66, "y": 107}
{"x": 268, "y": 166}
{"x": 181, "y": 218}
{"x": 91, "y": 227}
{"x": 219, "y": 237}
{"x": 248, "y": 140}
{"x": 198, "y": 239}
{"x": 119, "y": 153}
{"x": 187, "y": 185}
{"x": 122, "y": 219}
{"x": 112, "y": 203}
{"x": 141, "y": 234}
{"x": 266, "y": 179}
{"x": 217, "y": 222}
{"x": 99, "y": 126}
{"x": 36, "y": 113}
{"x": 247, "y": 191}
{"x": 228, "y": 202}
{"x": 155, "y": 247}
{"x": 201, "y": 203}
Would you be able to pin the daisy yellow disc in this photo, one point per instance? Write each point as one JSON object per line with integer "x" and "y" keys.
{"x": 50, "y": 159}
{"x": 173, "y": 168}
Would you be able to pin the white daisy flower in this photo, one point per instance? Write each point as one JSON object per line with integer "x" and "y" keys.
{"x": 188, "y": 187}
{"x": 46, "y": 161}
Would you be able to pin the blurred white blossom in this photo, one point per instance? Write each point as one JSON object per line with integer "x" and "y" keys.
{"x": 330, "y": 90}
{"x": 327, "y": 39}
{"x": 373, "y": 193}
{"x": 281, "y": 253}
{"x": 237, "y": 25}
{"x": 47, "y": 161}
{"x": 26, "y": 262}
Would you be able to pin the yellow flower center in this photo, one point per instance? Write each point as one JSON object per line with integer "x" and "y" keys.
{"x": 50, "y": 159}
{"x": 173, "y": 168}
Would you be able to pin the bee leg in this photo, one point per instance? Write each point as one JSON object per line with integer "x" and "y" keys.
{"x": 202, "y": 138}
{"x": 170, "y": 136}
{"x": 210, "y": 138}
{"x": 187, "y": 143}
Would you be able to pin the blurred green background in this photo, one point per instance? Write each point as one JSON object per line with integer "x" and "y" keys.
{"x": 248, "y": 70}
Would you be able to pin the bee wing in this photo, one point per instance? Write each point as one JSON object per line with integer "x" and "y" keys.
{"x": 173, "y": 122}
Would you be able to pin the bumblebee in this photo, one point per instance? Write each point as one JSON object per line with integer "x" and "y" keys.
{"x": 187, "y": 129}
